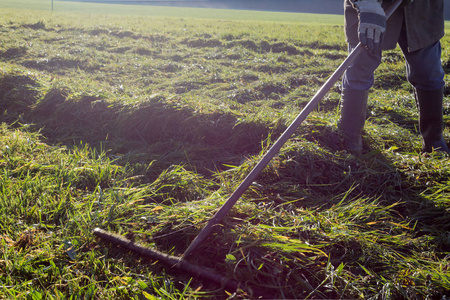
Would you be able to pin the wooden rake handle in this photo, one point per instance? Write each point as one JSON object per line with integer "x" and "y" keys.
{"x": 221, "y": 213}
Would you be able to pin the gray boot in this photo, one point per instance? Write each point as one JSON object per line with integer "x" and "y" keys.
{"x": 431, "y": 122}
{"x": 353, "y": 117}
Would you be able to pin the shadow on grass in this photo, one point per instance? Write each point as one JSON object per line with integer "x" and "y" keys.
{"x": 149, "y": 131}
{"x": 159, "y": 127}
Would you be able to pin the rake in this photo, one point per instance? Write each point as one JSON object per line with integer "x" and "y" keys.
{"x": 181, "y": 263}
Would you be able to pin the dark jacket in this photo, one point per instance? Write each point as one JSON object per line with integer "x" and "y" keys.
{"x": 423, "y": 19}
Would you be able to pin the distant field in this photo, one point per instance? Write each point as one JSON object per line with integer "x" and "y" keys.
{"x": 145, "y": 10}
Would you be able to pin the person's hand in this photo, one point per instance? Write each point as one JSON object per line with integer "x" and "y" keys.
{"x": 372, "y": 24}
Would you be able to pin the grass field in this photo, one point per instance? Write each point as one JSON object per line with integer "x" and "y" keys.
{"x": 143, "y": 126}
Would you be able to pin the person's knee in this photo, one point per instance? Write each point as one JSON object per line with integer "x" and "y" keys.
{"x": 359, "y": 76}
{"x": 424, "y": 68}
{"x": 428, "y": 79}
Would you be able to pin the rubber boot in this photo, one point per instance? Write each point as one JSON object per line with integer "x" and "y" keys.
{"x": 353, "y": 117}
{"x": 431, "y": 122}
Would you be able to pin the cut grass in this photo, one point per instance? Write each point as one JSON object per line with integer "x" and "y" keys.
{"x": 144, "y": 127}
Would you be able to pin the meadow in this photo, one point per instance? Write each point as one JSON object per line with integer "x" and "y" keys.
{"x": 144, "y": 124}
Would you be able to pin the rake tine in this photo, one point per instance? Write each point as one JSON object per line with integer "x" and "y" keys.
{"x": 177, "y": 263}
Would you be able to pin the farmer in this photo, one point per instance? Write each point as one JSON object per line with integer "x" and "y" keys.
{"x": 417, "y": 26}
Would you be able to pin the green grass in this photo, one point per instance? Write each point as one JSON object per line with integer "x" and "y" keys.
{"x": 143, "y": 126}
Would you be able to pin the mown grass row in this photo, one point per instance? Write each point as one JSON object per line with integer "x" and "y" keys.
{"x": 144, "y": 127}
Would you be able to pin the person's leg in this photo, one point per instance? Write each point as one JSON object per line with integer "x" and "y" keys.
{"x": 425, "y": 74}
{"x": 356, "y": 82}
{"x": 359, "y": 75}
{"x": 423, "y": 67}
